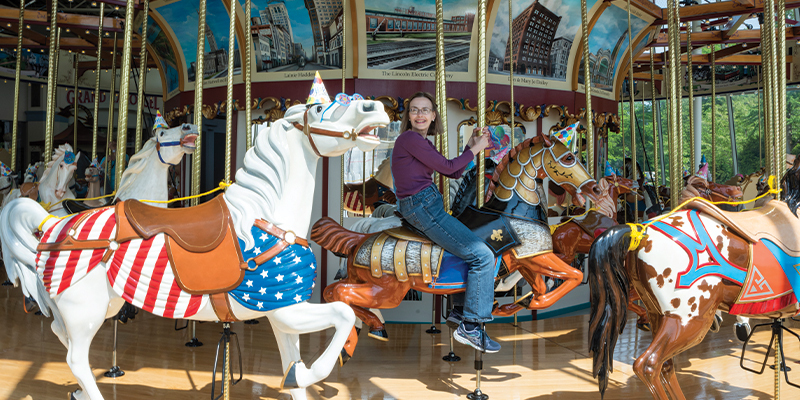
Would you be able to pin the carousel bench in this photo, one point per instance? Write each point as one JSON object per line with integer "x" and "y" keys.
{"x": 201, "y": 242}
{"x": 774, "y": 222}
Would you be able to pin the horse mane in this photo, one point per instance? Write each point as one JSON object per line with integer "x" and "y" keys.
{"x": 260, "y": 181}
{"x": 58, "y": 156}
{"x": 504, "y": 163}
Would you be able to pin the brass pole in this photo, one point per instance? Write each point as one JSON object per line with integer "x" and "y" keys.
{"x": 51, "y": 81}
{"x": 142, "y": 79}
{"x": 15, "y": 119}
{"x": 112, "y": 97}
{"x": 97, "y": 81}
{"x": 769, "y": 22}
{"x": 713, "y": 116}
{"x": 511, "y": 85}
{"x": 655, "y": 129}
{"x": 766, "y": 97}
{"x": 248, "y": 80}
{"x": 54, "y": 65}
{"x": 344, "y": 70}
{"x": 780, "y": 57}
{"x": 75, "y": 106}
{"x": 777, "y": 366}
{"x": 441, "y": 96}
{"x": 229, "y": 96}
{"x": 364, "y": 184}
{"x": 344, "y": 48}
{"x": 482, "y": 4}
{"x": 199, "y": 76}
{"x": 124, "y": 86}
{"x": 690, "y": 78}
{"x": 759, "y": 115}
{"x": 676, "y": 126}
{"x": 634, "y": 170}
{"x": 587, "y": 84}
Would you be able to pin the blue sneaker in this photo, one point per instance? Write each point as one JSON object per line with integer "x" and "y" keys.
{"x": 476, "y": 338}
{"x": 454, "y": 319}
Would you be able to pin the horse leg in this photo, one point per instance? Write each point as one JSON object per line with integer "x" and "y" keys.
{"x": 83, "y": 307}
{"x": 549, "y": 265}
{"x": 288, "y": 322}
{"x": 671, "y": 337}
{"x": 670, "y": 380}
{"x": 289, "y": 347}
{"x": 387, "y": 292}
{"x": 642, "y": 322}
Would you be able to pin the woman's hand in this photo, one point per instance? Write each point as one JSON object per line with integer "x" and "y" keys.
{"x": 479, "y": 140}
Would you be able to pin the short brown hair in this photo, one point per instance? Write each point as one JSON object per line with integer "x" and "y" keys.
{"x": 436, "y": 126}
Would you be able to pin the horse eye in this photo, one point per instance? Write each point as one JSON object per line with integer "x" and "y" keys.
{"x": 162, "y": 133}
{"x": 319, "y": 109}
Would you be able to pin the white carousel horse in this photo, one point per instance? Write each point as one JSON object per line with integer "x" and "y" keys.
{"x": 276, "y": 184}
{"x": 53, "y": 186}
{"x": 7, "y": 182}
{"x": 147, "y": 171}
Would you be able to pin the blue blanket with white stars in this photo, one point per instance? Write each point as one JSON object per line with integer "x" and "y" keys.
{"x": 286, "y": 279}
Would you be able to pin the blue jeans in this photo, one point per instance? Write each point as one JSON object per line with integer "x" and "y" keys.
{"x": 425, "y": 211}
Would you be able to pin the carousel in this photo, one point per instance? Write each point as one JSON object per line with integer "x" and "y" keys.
{"x": 189, "y": 171}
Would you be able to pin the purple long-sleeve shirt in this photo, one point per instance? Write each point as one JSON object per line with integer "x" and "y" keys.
{"x": 414, "y": 159}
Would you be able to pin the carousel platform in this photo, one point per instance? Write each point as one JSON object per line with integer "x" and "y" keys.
{"x": 545, "y": 359}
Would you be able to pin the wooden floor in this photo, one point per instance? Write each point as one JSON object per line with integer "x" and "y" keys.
{"x": 539, "y": 360}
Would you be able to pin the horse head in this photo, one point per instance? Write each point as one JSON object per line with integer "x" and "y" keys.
{"x": 173, "y": 143}
{"x": 334, "y": 128}
{"x": 32, "y": 173}
{"x": 61, "y": 169}
{"x": 698, "y": 187}
{"x": 92, "y": 174}
{"x": 562, "y": 167}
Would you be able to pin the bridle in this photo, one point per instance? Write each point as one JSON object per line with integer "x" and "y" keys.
{"x": 308, "y": 130}
{"x": 159, "y": 145}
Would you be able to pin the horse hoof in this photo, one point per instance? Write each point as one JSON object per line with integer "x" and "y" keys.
{"x": 379, "y": 334}
{"x": 742, "y": 331}
{"x": 343, "y": 357}
{"x": 643, "y": 326}
{"x": 71, "y": 396}
{"x": 358, "y": 330}
{"x": 716, "y": 324}
{"x": 289, "y": 380}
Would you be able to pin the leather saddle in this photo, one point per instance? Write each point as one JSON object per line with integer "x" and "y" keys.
{"x": 201, "y": 242}
{"x": 29, "y": 190}
{"x": 74, "y": 206}
{"x": 774, "y": 221}
{"x": 594, "y": 223}
{"x": 491, "y": 227}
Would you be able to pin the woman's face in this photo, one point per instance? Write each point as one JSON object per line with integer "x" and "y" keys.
{"x": 420, "y": 114}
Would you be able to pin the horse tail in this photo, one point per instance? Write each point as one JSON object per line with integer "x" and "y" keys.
{"x": 609, "y": 285}
{"x": 332, "y": 237}
{"x": 19, "y": 220}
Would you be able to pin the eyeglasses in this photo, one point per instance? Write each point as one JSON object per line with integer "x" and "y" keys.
{"x": 343, "y": 100}
{"x": 423, "y": 111}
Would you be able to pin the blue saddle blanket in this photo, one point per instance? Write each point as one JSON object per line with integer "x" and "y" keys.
{"x": 453, "y": 272}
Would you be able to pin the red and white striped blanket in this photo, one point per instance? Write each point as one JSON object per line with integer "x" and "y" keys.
{"x": 139, "y": 271}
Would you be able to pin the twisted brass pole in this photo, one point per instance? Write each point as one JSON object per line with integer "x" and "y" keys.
{"x": 229, "y": 95}
{"x": 111, "y": 96}
{"x": 75, "y": 105}
{"x": 676, "y": 165}
{"x": 51, "y": 82}
{"x": 441, "y": 96}
{"x": 124, "y": 88}
{"x": 17, "y": 76}
{"x": 142, "y": 79}
{"x": 199, "y": 76}
{"x": 97, "y": 81}
{"x": 587, "y": 88}
{"x": 344, "y": 72}
{"x": 780, "y": 58}
{"x": 653, "y": 112}
{"x": 482, "y": 4}
{"x": 511, "y": 79}
{"x": 248, "y": 80}
{"x": 759, "y": 114}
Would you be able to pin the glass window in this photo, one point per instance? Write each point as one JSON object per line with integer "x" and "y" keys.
{"x": 373, "y": 23}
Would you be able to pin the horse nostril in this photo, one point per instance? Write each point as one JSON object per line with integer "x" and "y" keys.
{"x": 596, "y": 190}
{"x": 368, "y": 107}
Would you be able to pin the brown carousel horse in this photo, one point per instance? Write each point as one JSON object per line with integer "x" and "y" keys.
{"x": 687, "y": 266}
{"x": 378, "y": 189}
{"x": 383, "y": 266}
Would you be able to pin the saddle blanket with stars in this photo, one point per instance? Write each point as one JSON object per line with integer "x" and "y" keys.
{"x": 286, "y": 279}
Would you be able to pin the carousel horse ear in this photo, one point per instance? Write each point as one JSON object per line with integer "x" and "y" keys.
{"x": 545, "y": 139}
